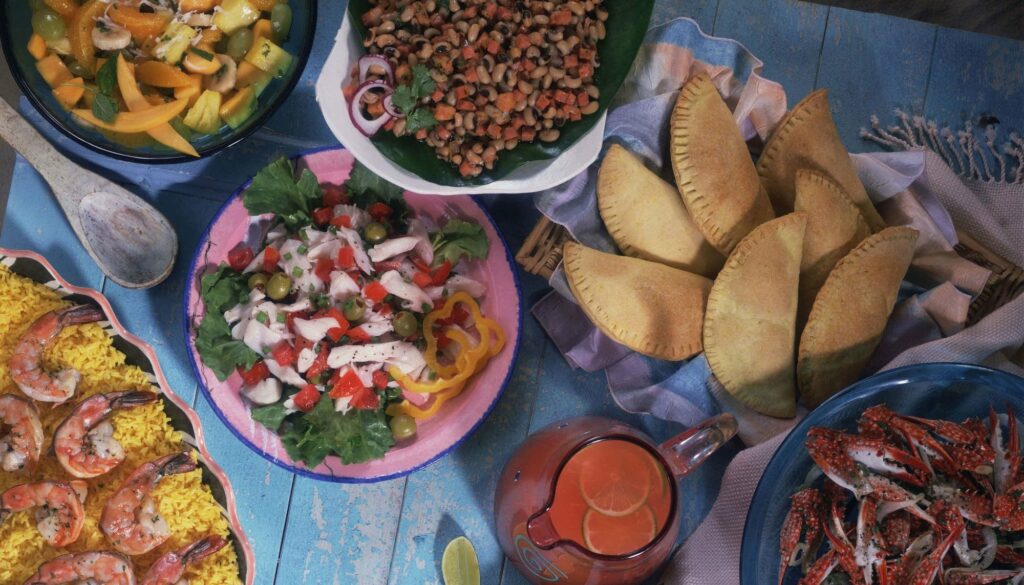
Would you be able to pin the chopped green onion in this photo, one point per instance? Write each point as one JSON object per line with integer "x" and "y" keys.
{"x": 262, "y": 317}
{"x": 296, "y": 272}
{"x": 287, "y": 256}
{"x": 303, "y": 249}
{"x": 282, "y": 318}
{"x": 204, "y": 54}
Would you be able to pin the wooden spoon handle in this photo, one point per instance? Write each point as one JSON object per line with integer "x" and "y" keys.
{"x": 65, "y": 178}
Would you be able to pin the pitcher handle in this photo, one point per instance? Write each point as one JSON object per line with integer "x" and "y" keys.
{"x": 687, "y": 450}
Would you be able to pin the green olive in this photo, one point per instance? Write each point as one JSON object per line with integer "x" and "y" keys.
{"x": 279, "y": 286}
{"x": 239, "y": 43}
{"x": 258, "y": 281}
{"x": 405, "y": 323}
{"x": 375, "y": 232}
{"x": 403, "y": 426}
{"x": 354, "y": 308}
{"x": 48, "y": 24}
{"x": 281, "y": 21}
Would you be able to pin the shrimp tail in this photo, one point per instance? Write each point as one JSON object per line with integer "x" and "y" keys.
{"x": 202, "y": 549}
{"x": 175, "y": 464}
{"x": 132, "y": 398}
{"x": 79, "y": 314}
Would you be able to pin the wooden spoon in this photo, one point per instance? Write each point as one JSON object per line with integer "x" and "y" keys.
{"x": 129, "y": 239}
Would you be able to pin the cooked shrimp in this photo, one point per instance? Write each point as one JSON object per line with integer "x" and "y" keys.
{"x": 85, "y": 443}
{"x": 168, "y": 569}
{"x": 89, "y": 568}
{"x": 26, "y": 360}
{"x": 21, "y": 446}
{"x": 131, "y": 519}
{"x": 60, "y": 516}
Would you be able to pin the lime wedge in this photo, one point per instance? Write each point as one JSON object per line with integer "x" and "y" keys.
{"x": 459, "y": 565}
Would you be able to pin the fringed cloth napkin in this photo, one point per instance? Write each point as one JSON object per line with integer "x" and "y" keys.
{"x": 917, "y": 187}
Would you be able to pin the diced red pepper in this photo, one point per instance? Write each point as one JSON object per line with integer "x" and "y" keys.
{"x": 240, "y": 257}
{"x": 375, "y": 291}
{"x": 338, "y": 332}
{"x": 366, "y": 399}
{"x": 319, "y": 365}
{"x": 358, "y": 335}
{"x": 342, "y": 221}
{"x": 380, "y": 380}
{"x": 322, "y": 215}
{"x": 302, "y": 343}
{"x": 334, "y": 194}
{"x": 442, "y": 273}
{"x": 306, "y": 398}
{"x": 322, "y": 269}
{"x": 346, "y": 258}
{"x": 422, "y": 279}
{"x": 347, "y": 384}
{"x": 380, "y": 211}
{"x": 290, "y": 318}
{"x": 270, "y": 259}
{"x": 254, "y": 375}
{"x": 420, "y": 264}
{"x": 387, "y": 265}
{"x": 284, "y": 354}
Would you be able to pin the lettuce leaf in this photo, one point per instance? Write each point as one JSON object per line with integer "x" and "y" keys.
{"x": 459, "y": 239}
{"x": 275, "y": 190}
{"x": 355, "y": 437}
{"x": 222, "y": 290}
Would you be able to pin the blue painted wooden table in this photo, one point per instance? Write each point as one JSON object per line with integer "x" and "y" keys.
{"x": 394, "y": 532}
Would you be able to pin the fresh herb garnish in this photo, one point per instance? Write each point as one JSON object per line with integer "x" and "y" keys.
{"x": 275, "y": 190}
{"x": 407, "y": 98}
{"x": 459, "y": 239}
{"x": 356, "y": 436}
{"x": 104, "y": 106}
{"x": 270, "y": 416}
{"x": 221, "y": 291}
{"x": 204, "y": 54}
{"x": 365, "y": 188}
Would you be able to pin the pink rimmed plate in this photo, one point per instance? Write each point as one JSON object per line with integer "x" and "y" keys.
{"x": 138, "y": 353}
{"x": 435, "y": 437}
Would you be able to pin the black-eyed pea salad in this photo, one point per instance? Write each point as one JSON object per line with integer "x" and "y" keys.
{"x": 169, "y": 69}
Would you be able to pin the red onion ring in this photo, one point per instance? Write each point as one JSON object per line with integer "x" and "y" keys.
{"x": 366, "y": 61}
{"x": 368, "y": 126}
{"x": 390, "y": 108}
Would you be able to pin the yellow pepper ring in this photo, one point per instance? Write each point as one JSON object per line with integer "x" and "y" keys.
{"x": 443, "y": 313}
{"x": 423, "y": 413}
{"x": 433, "y": 387}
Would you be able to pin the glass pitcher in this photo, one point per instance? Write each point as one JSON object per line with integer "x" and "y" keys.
{"x": 552, "y": 536}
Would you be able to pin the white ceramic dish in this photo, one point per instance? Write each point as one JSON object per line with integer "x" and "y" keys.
{"x": 529, "y": 178}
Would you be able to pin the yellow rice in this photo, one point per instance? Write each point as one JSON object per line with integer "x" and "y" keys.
{"x": 145, "y": 433}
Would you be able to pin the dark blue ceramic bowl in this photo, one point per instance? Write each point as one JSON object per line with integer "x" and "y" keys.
{"x": 16, "y": 28}
{"x": 947, "y": 391}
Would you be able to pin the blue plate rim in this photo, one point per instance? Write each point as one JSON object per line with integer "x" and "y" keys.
{"x": 748, "y": 541}
{"x": 305, "y": 472}
{"x": 170, "y": 158}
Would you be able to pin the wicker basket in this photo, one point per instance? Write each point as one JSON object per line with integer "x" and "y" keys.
{"x": 542, "y": 251}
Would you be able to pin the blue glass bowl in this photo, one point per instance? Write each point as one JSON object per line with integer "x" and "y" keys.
{"x": 948, "y": 391}
{"x": 16, "y": 28}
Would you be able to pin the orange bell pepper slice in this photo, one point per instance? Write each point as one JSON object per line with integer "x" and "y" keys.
{"x": 134, "y": 122}
{"x": 133, "y": 98}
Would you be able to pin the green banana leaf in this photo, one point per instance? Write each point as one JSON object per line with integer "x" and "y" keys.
{"x": 626, "y": 27}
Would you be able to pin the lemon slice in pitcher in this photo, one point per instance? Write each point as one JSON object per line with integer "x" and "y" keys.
{"x": 615, "y": 476}
{"x": 610, "y": 535}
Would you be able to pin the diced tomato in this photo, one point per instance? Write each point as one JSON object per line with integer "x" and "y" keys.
{"x": 459, "y": 316}
{"x": 347, "y": 384}
{"x": 254, "y": 375}
{"x": 365, "y": 399}
{"x": 289, "y": 319}
{"x": 240, "y": 257}
{"x": 442, "y": 273}
{"x": 319, "y": 365}
{"x": 322, "y": 269}
{"x": 342, "y": 221}
{"x": 337, "y": 332}
{"x": 322, "y": 215}
{"x": 307, "y": 398}
{"x": 358, "y": 335}
{"x": 270, "y": 259}
{"x": 384, "y": 310}
{"x": 375, "y": 291}
{"x": 334, "y": 194}
{"x": 380, "y": 211}
{"x": 442, "y": 340}
{"x": 346, "y": 258}
{"x": 302, "y": 343}
{"x": 380, "y": 380}
{"x": 284, "y": 354}
{"x": 422, "y": 279}
{"x": 420, "y": 264}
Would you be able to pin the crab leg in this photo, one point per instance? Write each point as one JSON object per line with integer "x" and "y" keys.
{"x": 821, "y": 569}
{"x": 803, "y": 519}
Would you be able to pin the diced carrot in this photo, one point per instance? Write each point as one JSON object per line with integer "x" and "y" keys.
{"x": 465, "y": 106}
{"x": 443, "y": 112}
{"x": 494, "y": 130}
{"x": 461, "y": 92}
{"x": 527, "y": 134}
{"x": 519, "y": 95}
{"x": 504, "y": 13}
{"x": 522, "y": 41}
{"x": 582, "y": 98}
{"x": 506, "y": 101}
{"x": 570, "y": 61}
{"x": 36, "y": 46}
{"x": 509, "y": 133}
{"x": 543, "y": 101}
{"x": 490, "y": 9}
{"x": 493, "y": 47}
{"x": 466, "y": 169}
{"x": 528, "y": 65}
{"x": 443, "y": 133}
{"x": 586, "y": 53}
{"x": 421, "y": 134}
{"x": 468, "y": 52}
{"x": 561, "y": 96}
{"x": 586, "y": 70}
{"x": 437, "y": 96}
{"x": 471, "y": 75}
{"x": 560, "y": 18}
